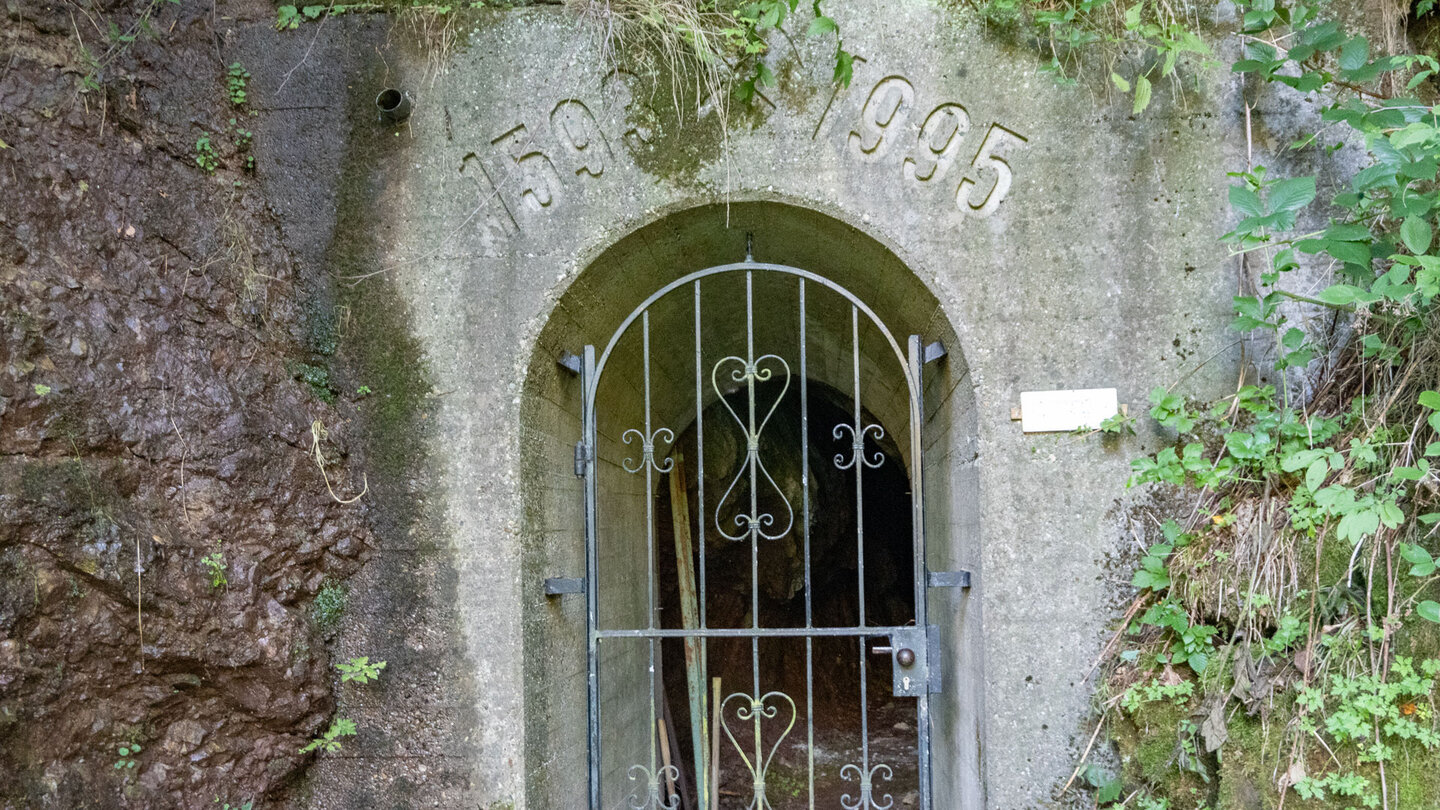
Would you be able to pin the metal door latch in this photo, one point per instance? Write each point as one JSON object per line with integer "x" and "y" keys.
{"x": 909, "y": 657}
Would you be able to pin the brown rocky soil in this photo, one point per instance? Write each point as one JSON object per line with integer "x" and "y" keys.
{"x": 153, "y": 336}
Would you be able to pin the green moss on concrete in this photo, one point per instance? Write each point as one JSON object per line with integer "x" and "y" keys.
{"x": 679, "y": 141}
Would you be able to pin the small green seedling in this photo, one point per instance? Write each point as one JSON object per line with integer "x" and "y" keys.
{"x": 331, "y": 739}
{"x": 216, "y": 565}
{"x": 360, "y": 670}
{"x": 127, "y": 752}
{"x": 205, "y": 155}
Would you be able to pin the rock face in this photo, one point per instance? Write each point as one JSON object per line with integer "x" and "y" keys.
{"x": 151, "y": 325}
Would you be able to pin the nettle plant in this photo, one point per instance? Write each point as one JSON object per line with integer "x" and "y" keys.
{"x": 1337, "y": 487}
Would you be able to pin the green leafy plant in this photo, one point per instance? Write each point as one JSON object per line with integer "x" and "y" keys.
{"x": 237, "y": 78}
{"x": 216, "y": 566}
{"x": 1121, "y": 424}
{"x": 1106, "y": 785}
{"x": 1138, "y": 43}
{"x": 241, "y": 136}
{"x": 40, "y": 389}
{"x": 127, "y": 753}
{"x": 330, "y": 740}
{"x": 205, "y": 155}
{"x": 360, "y": 670}
{"x": 1351, "y": 469}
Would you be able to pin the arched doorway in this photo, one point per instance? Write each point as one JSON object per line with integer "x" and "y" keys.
{"x": 726, "y": 500}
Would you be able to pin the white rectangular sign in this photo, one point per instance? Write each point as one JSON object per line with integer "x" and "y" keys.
{"x": 1054, "y": 411}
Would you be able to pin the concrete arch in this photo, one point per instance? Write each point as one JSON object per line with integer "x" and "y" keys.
{"x": 602, "y": 296}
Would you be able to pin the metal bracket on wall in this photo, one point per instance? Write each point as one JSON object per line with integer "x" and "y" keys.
{"x": 950, "y": 579}
{"x": 569, "y": 362}
{"x": 558, "y": 586}
{"x": 935, "y": 351}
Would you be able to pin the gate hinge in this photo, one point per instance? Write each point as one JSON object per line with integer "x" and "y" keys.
{"x": 556, "y": 586}
{"x": 950, "y": 579}
{"x": 934, "y": 659}
{"x": 582, "y": 456}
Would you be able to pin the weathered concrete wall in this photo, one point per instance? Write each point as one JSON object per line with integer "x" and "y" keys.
{"x": 529, "y": 159}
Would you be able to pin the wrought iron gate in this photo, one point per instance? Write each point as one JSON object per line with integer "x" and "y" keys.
{"x": 756, "y": 719}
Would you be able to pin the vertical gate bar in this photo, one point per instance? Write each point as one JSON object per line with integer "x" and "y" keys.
{"x": 592, "y": 567}
{"x": 760, "y": 801}
{"x": 805, "y": 519}
{"x": 702, "y": 760}
{"x": 700, "y": 454}
{"x": 917, "y": 522}
{"x": 651, "y": 607}
{"x": 859, "y": 440}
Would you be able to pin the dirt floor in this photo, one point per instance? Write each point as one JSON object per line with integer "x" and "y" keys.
{"x": 163, "y": 396}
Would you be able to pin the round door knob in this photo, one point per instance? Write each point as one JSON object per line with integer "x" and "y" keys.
{"x": 906, "y": 657}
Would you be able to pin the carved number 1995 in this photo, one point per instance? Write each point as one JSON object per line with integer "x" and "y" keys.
{"x": 882, "y": 123}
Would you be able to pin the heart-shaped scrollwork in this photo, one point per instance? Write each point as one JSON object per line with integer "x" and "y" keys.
{"x": 752, "y": 522}
{"x": 751, "y": 709}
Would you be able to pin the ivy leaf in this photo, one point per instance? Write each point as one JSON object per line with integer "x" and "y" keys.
{"x": 1354, "y": 53}
{"x": 844, "y": 67}
{"x": 1198, "y": 661}
{"x": 1142, "y": 95}
{"x": 1292, "y": 194}
{"x": 1246, "y": 201}
{"x": 1414, "y": 554}
{"x": 1422, "y": 564}
{"x": 822, "y": 25}
{"x": 1417, "y": 234}
{"x": 1339, "y": 295}
{"x": 1429, "y": 610}
{"x": 1132, "y": 16}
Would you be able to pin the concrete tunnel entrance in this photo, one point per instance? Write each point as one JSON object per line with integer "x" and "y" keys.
{"x": 617, "y": 280}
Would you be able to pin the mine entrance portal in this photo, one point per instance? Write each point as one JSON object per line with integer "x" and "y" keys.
{"x": 694, "y": 537}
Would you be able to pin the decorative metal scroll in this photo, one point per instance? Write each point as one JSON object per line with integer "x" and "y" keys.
{"x": 647, "y": 450}
{"x": 752, "y": 709}
{"x": 750, "y": 372}
{"x": 857, "y": 445}
{"x": 653, "y": 793}
{"x": 866, "y": 800}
